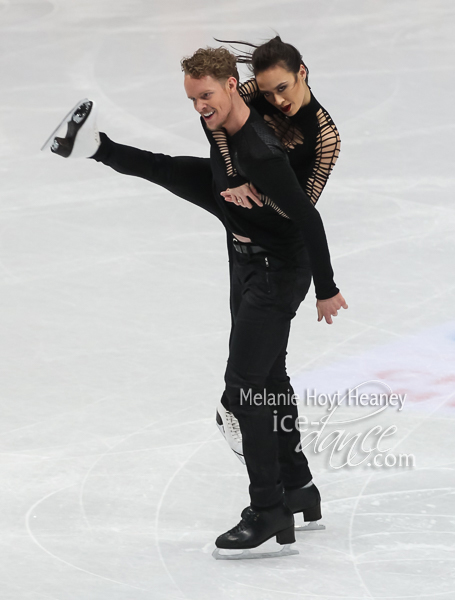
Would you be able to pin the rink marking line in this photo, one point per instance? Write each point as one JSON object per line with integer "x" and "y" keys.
{"x": 83, "y": 74}
{"x": 396, "y": 514}
{"x": 21, "y": 589}
{"x": 396, "y": 241}
{"x": 371, "y": 327}
{"x": 160, "y": 504}
{"x": 334, "y": 597}
{"x": 78, "y": 265}
{"x": 381, "y": 560}
{"x": 422, "y": 421}
{"x": 37, "y": 458}
{"x": 404, "y": 532}
{"x": 350, "y": 536}
{"x": 381, "y": 244}
{"x": 301, "y": 369}
{"x": 405, "y": 134}
{"x": 58, "y": 558}
{"x": 366, "y": 327}
{"x": 52, "y": 418}
{"x": 108, "y": 451}
{"x": 353, "y": 538}
{"x": 354, "y": 321}
{"x": 391, "y": 492}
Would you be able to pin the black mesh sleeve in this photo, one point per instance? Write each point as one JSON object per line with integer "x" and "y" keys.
{"x": 267, "y": 166}
{"x": 327, "y": 151}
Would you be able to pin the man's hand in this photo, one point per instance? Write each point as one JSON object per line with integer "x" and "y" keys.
{"x": 241, "y": 195}
{"x": 329, "y": 308}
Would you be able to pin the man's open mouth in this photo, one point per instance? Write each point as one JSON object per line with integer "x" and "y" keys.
{"x": 208, "y": 116}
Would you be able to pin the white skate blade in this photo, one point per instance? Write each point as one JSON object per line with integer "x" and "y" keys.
{"x": 286, "y": 550}
{"x": 50, "y": 139}
{"x": 310, "y": 526}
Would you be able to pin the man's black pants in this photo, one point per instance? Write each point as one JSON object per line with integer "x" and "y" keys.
{"x": 265, "y": 295}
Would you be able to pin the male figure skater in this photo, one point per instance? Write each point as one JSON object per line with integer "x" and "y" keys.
{"x": 273, "y": 251}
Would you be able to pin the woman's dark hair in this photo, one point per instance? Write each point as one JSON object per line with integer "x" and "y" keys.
{"x": 267, "y": 55}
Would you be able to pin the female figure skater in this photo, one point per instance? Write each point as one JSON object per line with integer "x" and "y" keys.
{"x": 280, "y": 93}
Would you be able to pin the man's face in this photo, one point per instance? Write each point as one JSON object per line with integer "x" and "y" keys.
{"x": 211, "y": 98}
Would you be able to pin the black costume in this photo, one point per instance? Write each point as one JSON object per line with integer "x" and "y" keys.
{"x": 310, "y": 138}
{"x": 269, "y": 279}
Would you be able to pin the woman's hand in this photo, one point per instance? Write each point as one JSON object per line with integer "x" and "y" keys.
{"x": 241, "y": 195}
{"x": 329, "y": 308}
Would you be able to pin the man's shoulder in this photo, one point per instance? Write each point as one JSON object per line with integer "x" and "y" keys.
{"x": 260, "y": 139}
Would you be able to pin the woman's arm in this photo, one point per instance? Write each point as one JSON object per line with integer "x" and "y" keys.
{"x": 249, "y": 90}
{"x": 218, "y": 141}
{"x": 272, "y": 175}
{"x": 328, "y": 144}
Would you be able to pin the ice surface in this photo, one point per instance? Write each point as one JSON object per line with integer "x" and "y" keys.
{"x": 114, "y": 310}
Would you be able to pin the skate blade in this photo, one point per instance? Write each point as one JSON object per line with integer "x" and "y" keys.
{"x": 311, "y": 526}
{"x": 286, "y": 550}
{"x": 239, "y": 456}
{"x": 50, "y": 139}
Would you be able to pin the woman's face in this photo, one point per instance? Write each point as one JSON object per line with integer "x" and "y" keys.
{"x": 284, "y": 89}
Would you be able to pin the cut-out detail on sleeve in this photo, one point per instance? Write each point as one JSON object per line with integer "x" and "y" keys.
{"x": 327, "y": 147}
{"x": 328, "y": 144}
{"x": 220, "y": 138}
{"x": 249, "y": 90}
{"x": 327, "y": 150}
{"x": 268, "y": 202}
{"x": 285, "y": 130}
{"x": 219, "y": 141}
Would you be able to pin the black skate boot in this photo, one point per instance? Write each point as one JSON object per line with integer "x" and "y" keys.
{"x": 255, "y": 528}
{"x": 306, "y": 500}
{"x": 82, "y": 138}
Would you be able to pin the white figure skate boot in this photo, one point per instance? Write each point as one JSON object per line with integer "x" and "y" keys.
{"x": 230, "y": 429}
{"x": 82, "y": 138}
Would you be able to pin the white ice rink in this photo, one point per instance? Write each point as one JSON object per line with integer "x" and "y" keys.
{"x": 114, "y": 309}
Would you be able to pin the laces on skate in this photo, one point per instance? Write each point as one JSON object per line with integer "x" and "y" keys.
{"x": 230, "y": 430}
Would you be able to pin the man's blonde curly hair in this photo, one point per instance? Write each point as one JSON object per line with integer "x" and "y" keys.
{"x": 218, "y": 63}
